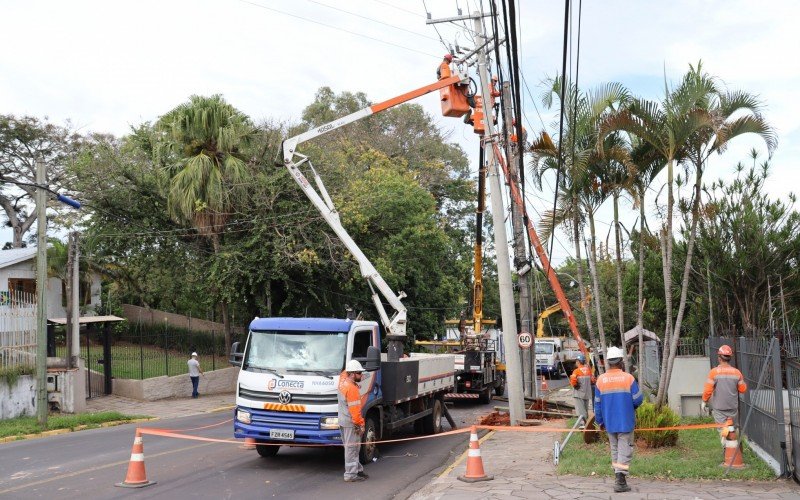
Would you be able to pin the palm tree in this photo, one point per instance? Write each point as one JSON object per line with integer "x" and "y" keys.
{"x": 201, "y": 144}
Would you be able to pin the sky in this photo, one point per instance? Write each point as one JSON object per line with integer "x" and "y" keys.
{"x": 110, "y": 65}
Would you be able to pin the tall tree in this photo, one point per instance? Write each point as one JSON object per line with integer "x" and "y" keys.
{"x": 202, "y": 144}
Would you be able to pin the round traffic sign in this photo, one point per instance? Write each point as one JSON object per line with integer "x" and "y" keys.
{"x": 525, "y": 340}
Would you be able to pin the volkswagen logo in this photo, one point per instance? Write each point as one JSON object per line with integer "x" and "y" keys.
{"x": 285, "y": 397}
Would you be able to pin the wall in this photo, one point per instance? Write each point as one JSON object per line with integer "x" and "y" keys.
{"x": 136, "y": 314}
{"x": 18, "y": 399}
{"x": 689, "y": 374}
{"x": 179, "y": 386}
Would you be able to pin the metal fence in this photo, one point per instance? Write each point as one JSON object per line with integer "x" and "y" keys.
{"x": 761, "y": 411}
{"x": 687, "y": 347}
{"x": 793, "y": 389}
{"x": 17, "y": 330}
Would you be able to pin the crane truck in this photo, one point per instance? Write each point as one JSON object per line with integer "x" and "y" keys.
{"x": 287, "y": 388}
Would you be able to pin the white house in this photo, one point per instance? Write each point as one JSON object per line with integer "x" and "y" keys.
{"x": 18, "y": 276}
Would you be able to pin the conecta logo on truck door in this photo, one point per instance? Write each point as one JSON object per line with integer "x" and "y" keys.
{"x": 284, "y": 384}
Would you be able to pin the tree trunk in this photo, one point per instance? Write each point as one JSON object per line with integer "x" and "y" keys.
{"x": 667, "y": 260}
{"x": 223, "y": 303}
{"x": 576, "y": 235}
{"x": 640, "y": 298}
{"x": 620, "y": 310}
{"x": 687, "y": 268}
{"x": 596, "y": 287}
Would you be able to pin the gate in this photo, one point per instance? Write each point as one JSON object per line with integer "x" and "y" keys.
{"x": 793, "y": 386}
{"x": 761, "y": 407}
{"x": 95, "y": 362}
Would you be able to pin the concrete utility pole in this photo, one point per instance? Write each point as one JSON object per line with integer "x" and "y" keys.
{"x": 41, "y": 294}
{"x": 73, "y": 301}
{"x": 520, "y": 249}
{"x": 516, "y": 400}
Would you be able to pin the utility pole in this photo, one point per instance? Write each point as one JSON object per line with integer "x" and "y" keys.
{"x": 710, "y": 303}
{"x": 41, "y": 294}
{"x": 68, "y": 285}
{"x": 520, "y": 249}
{"x": 516, "y": 400}
{"x": 73, "y": 301}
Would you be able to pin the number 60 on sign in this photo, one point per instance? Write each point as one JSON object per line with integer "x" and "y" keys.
{"x": 525, "y": 340}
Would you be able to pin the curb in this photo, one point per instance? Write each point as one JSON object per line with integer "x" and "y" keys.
{"x": 56, "y": 432}
{"x": 461, "y": 457}
{"x": 221, "y": 408}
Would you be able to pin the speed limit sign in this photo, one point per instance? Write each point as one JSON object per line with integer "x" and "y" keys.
{"x": 525, "y": 340}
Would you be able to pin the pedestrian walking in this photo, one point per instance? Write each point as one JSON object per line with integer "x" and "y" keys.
{"x": 351, "y": 421}
{"x": 722, "y": 389}
{"x": 194, "y": 374}
{"x": 582, "y": 381}
{"x": 617, "y": 396}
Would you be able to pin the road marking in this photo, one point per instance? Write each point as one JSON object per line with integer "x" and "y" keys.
{"x": 221, "y": 408}
{"x": 94, "y": 469}
{"x": 460, "y": 459}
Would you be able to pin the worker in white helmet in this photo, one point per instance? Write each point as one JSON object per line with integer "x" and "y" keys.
{"x": 351, "y": 421}
{"x": 617, "y": 395}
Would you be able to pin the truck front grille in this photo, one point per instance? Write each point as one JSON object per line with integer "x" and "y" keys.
{"x": 300, "y": 399}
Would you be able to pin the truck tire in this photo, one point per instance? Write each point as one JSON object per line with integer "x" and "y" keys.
{"x": 500, "y": 389}
{"x": 369, "y": 450}
{"x": 485, "y": 396}
{"x": 432, "y": 424}
{"x": 267, "y": 450}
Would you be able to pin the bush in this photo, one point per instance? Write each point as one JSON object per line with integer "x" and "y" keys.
{"x": 649, "y": 416}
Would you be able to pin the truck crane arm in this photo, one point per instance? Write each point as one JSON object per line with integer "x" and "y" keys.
{"x": 395, "y": 325}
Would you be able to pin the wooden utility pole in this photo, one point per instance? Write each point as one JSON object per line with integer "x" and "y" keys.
{"x": 41, "y": 294}
{"x": 520, "y": 249}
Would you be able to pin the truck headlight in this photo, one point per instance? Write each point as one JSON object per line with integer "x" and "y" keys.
{"x": 243, "y": 416}
{"x": 329, "y": 423}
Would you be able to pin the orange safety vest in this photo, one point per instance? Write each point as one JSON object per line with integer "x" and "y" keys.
{"x": 349, "y": 402}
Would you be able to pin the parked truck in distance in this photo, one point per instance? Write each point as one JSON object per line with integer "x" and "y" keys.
{"x": 287, "y": 388}
{"x": 556, "y": 356}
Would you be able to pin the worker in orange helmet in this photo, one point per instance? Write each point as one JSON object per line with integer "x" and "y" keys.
{"x": 582, "y": 380}
{"x": 722, "y": 389}
{"x": 514, "y": 134}
{"x": 443, "y": 71}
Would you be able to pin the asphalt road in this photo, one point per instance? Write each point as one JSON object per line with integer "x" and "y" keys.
{"x": 89, "y": 463}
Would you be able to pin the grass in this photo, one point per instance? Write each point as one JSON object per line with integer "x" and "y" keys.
{"x": 125, "y": 361}
{"x": 29, "y": 425}
{"x": 698, "y": 455}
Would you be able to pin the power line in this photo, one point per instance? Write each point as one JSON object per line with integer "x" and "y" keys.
{"x": 337, "y": 28}
{"x": 399, "y": 8}
{"x": 561, "y": 119}
{"x": 372, "y": 20}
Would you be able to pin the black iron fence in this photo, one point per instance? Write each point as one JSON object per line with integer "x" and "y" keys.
{"x": 793, "y": 390}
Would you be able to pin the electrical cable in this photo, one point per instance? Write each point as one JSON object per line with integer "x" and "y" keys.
{"x": 373, "y": 20}
{"x": 399, "y": 8}
{"x": 446, "y": 47}
{"x": 338, "y": 28}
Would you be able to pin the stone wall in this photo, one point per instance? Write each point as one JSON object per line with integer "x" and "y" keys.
{"x": 179, "y": 386}
{"x": 18, "y": 399}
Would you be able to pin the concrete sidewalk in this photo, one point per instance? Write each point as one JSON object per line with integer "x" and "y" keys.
{"x": 163, "y": 408}
{"x": 522, "y": 466}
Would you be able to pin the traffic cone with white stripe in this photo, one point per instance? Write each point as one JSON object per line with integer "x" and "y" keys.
{"x": 733, "y": 450}
{"x": 136, "y": 476}
{"x": 249, "y": 444}
{"x": 475, "y": 470}
{"x": 544, "y": 384}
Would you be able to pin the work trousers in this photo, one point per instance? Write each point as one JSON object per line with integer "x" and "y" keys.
{"x": 352, "y": 445}
{"x": 621, "y": 450}
{"x": 722, "y": 416}
{"x": 582, "y": 409}
{"x": 195, "y": 384}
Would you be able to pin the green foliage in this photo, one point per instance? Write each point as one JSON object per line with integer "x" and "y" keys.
{"x": 29, "y": 425}
{"x": 649, "y": 416}
{"x": 11, "y": 374}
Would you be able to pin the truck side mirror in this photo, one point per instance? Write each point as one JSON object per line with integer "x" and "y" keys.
{"x": 236, "y": 355}
{"x": 373, "y": 361}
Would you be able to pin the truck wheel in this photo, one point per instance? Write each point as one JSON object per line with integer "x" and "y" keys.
{"x": 432, "y": 424}
{"x": 500, "y": 390}
{"x": 486, "y": 396}
{"x": 369, "y": 450}
{"x": 267, "y": 450}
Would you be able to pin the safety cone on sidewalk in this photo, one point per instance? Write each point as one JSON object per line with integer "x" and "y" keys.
{"x": 136, "y": 477}
{"x": 733, "y": 450}
{"x": 475, "y": 470}
{"x": 544, "y": 384}
{"x": 249, "y": 444}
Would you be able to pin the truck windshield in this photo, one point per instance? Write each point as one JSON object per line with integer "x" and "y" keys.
{"x": 544, "y": 348}
{"x": 284, "y": 351}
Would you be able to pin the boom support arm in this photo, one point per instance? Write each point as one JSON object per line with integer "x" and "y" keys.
{"x": 292, "y": 160}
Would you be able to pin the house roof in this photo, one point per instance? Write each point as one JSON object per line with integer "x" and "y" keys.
{"x": 16, "y": 255}
{"x": 633, "y": 335}
{"x": 83, "y": 320}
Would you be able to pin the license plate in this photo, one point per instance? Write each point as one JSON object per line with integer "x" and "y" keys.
{"x": 281, "y": 434}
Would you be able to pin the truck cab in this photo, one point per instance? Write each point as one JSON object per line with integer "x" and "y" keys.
{"x": 549, "y": 356}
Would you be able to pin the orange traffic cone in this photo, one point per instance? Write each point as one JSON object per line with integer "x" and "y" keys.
{"x": 136, "y": 477}
{"x": 733, "y": 450}
{"x": 544, "y": 384}
{"x": 475, "y": 470}
{"x": 249, "y": 444}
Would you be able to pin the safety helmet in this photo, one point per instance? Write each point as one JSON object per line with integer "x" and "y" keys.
{"x": 614, "y": 353}
{"x": 495, "y": 78}
{"x": 725, "y": 350}
{"x": 353, "y": 366}
{"x": 448, "y": 57}
{"x": 581, "y": 358}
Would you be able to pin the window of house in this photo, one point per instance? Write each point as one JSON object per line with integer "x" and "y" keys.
{"x": 22, "y": 286}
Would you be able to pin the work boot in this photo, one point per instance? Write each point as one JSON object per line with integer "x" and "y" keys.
{"x": 621, "y": 485}
{"x": 363, "y": 474}
{"x": 354, "y": 479}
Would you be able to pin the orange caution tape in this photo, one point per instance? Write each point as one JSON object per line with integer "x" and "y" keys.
{"x": 199, "y": 428}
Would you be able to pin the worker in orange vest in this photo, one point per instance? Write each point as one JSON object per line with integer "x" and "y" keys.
{"x": 351, "y": 421}
{"x": 722, "y": 389}
{"x": 443, "y": 71}
{"x": 582, "y": 380}
{"x": 514, "y": 134}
